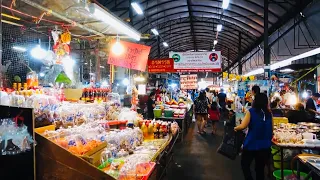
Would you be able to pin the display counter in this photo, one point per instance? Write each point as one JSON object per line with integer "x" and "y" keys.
{"x": 312, "y": 162}
{"x": 120, "y": 154}
{"x": 184, "y": 121}
{"x": 294, "y": 136}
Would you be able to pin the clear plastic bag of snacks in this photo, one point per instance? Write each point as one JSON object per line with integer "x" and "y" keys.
{"x": 14, "y": 139}
{"x": 18, "y": 100}
{"x": 114, "y": 97}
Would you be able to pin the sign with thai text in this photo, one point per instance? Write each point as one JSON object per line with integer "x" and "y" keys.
{"x": 134, "y": 56}
{"x": 160, "y": 65}
{"x": 189, "y": 81}
{"x": 197, "y": 61}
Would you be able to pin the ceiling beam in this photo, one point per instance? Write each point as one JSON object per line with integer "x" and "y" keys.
{"x": 191, "y": 26}
{"x": 285, "y": 18}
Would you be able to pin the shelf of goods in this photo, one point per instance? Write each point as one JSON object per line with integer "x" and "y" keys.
{"x": 74, "y": 140}
{"x": 180, "y": 112}
{"x": 294, "y": 136}
{"x": 90, "y": 151}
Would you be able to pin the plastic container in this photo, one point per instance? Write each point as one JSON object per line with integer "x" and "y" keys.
{"x": 286, "y": 172}
{"x": 157, "y": 113}
{"x": 32, "y": 79}
{"x": 279, "y": 120}
{"x": 143, "y": 171}
{"x": 277, "y": 158}
{"x": 168, "y": 113}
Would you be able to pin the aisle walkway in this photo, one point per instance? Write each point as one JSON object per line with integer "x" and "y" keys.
{"x": 196, "y": 159}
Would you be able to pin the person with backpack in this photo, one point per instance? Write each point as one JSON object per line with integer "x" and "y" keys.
{"x": 214, "y": 116}
{"x": 257, "y": 143}
{"x": 201, "y": 106}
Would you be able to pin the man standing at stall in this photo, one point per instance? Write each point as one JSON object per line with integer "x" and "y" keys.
{"x": 311, "y": 106}
{"x": 151, "y": 105}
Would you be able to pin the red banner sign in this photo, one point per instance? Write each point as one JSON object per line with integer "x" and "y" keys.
{"x": 161, "y": 65}
{"x": 134, "y": 56}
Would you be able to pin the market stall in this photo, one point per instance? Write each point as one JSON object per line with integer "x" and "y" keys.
{"x": 294, "y": 136}
{"x": 92, "y": 138}
{"x": 180, "y": 112}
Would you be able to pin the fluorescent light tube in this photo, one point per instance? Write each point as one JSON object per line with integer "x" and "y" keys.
{"x": 286, "y": 70}
{"x": 225, "y": 4}
{"x": 137, "y": 8}
{"x": 255, "y": 72}
{"x": 110, "y": 19}
{"x": 215, "y": 42}
{"x": 290, "y": 60}
{"x": 19, "y": 48}
{"x": 155, "y": 32}
{"x": 219, "y": 27}
{"x": 286, "y": 62}
{"x": 165, "y": 44}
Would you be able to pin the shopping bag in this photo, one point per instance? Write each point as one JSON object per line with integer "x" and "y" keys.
{"x": 231, "y": 143}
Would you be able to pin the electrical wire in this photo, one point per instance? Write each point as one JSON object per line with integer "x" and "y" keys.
{"x": 28, "y": 15}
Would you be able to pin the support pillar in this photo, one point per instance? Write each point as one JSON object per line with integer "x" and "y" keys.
{"x": 158, "y": 46}
{"x": 228, "y": 62}
{"x": 266, "y": 47}
{"x": 239, "y": 53}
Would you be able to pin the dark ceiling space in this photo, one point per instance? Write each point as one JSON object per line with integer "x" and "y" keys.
{"x": 190, "y": 25}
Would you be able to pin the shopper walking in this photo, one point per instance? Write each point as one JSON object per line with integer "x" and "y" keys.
{"x": 257, "y": 143}
{"x": 214, "y": 116}
{"x": 201, "y": 106}
{"x": 222, "y": 101}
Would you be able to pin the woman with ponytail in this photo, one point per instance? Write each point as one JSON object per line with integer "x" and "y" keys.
{"x": 257, "y": 143}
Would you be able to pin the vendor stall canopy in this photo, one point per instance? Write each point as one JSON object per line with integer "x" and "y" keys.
{"x": 191, "y": 25}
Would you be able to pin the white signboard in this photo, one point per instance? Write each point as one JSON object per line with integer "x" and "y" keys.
{"x": 197, "y": 61}
{"x": 188, "y": 81}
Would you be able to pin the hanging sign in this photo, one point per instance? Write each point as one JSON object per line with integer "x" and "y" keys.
{"x": 134, "y": 56}
{"x": 160, "y": 65}
{"x": 197, "y": 61}
{"x": 189, "y": 81}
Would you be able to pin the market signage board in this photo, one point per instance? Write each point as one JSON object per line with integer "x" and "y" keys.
{"x": 134, "y": 56}
{"x": 161, "y": 65}
{"x": 189, "y": 81}
{"x": 197, "y": 61}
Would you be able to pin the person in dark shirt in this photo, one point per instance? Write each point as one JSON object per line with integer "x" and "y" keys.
{"x": 298, "y": 114}
{"x": 311, "y": 106}
{"x": 151, "y": 105}
{"x": 222, "y": 99}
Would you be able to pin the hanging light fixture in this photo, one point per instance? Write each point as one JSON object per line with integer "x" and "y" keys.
{"x": 219, "y": 27}
{"x": 225, "y": 4}
{"x": 137, "y": 8}
{"x": 155, "y": 32}
{"x": 117, "y": 47}
{"x": 110, "y": 19}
